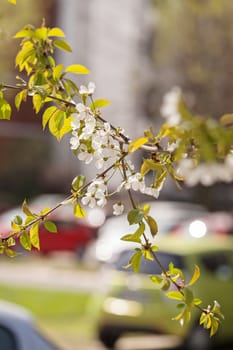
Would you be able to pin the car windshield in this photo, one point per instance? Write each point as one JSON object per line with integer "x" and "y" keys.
{"x": 148, "y": 266}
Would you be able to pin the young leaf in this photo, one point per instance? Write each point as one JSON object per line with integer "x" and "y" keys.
{"x": 135, "y": 261}
{"x": 99, "y": 104}
{"x": 136, "y": 236}
{"x": 79, "y": 212}
{"x": 195, "y": 276}
{"x": 5, "y": 108}
{"x": 47, "y": 115}
{"x": 156, "y": 279}
{"x": 37, "y": 102}
{"x": 77, "y": 69}
{"x": 26, "y": 209}
{"x": 62, "y": 45}
{"x": 175, "y": 295}
{"x": 57, "y": 71}
{"x": 136, "y": 144}
{"x": 78, "y": 182}
{"x": 152, "y": 225}
{"x": 20, "y": 97}
{"x": 56, "y": 32}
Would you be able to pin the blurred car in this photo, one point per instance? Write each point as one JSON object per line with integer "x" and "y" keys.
{"x": 167, "y": 214}
{"x": 73, "y": 234}
{"x": 133, "y": 303}
{"x": 219, "y": 222}
{"x": 18, "y": 330}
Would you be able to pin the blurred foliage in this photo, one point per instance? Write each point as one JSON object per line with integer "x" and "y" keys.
{"x": 11, "y": 19}
{"x": 193, "y": 47}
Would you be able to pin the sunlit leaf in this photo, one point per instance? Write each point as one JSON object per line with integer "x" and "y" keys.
{"x": 26, "y": 209}
{"x": 20, "y": 97}
{"x": 47, "y": 115}
{"x": 195, "y": 276}
{"x": 79, "y": 212}
{"x": 99, "y": 104}
{"x": 37, "y": 102}
{"x": 57, "y": 71}
{"x": 136, "y": 144}
{"x": 77, "y": 69}
{"x": 175, "y": 295}
{"x": 56, "y": 32}
{"x": 136, "y": 236}
{"x": 34, "y": 235}
{"x": 25, "y": 241}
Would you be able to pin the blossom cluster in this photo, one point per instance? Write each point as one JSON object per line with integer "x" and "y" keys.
{"x": 206, "y": 173}
{"x": 92, "y": 140}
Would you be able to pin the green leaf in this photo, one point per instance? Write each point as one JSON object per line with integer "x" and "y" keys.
{"x": 135, "y": 261}
{"x": 135, "y": 216}
{"x": 62, "y": 45}
{"x": 56, "y": 32}
{"x": 25, "y": 241}
{"x": 152, "y": 225}
{"x": 77, "y": 69}
{"x": 50, "y": 226}
{"x": 195, "y": 276}
{"x": 136, "y": 144}
{"x": 34, "y": 235}
{"x": 136, "y": 236}
{"x": 79, "y": 212}
{"x": 188, "y": 294}
{"x": 18, "y": 220}
{"x": 99, "y": 104}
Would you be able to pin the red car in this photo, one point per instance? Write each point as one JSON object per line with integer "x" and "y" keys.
{"x": 73, "y": 234}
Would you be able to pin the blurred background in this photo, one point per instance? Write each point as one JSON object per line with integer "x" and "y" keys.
{"x": 136, "y": 51}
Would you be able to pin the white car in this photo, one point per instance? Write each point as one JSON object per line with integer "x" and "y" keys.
{"x": 167, "y": 214}
{"x": 18, "y": 330}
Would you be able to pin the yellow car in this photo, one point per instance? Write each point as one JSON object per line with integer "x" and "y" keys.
{"x": 134, "y": 303}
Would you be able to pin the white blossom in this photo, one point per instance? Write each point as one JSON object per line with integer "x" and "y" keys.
{"x": 89, "y": 90}
{"x": 74, "y": 141}
{"x": 118, "y": 208}
{"x": 169, "y": 108}
{"x": 206, "y": 173}
{"x": 84, "y": 154}
{"x": 96, "y": 194}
